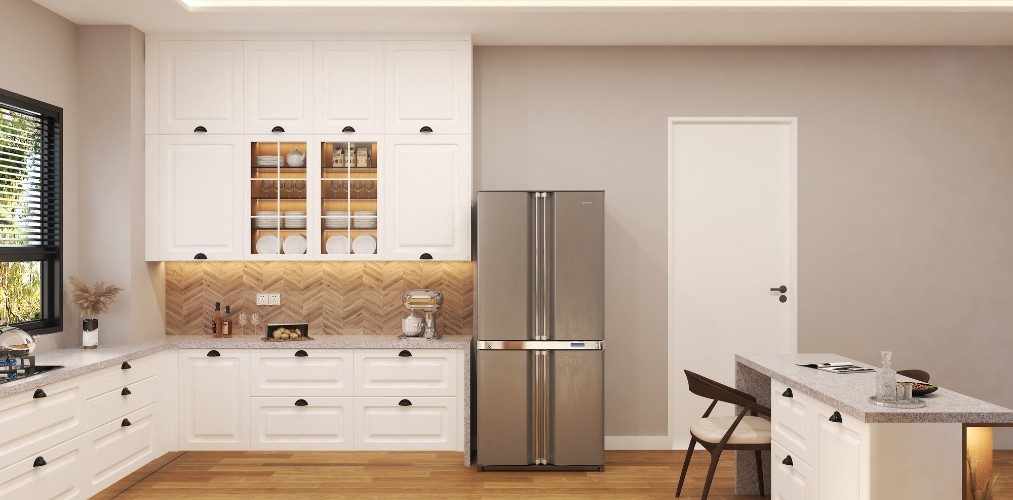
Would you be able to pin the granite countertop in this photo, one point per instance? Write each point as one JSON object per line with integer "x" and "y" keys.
{"x": 849, "y": 393}
{"x": 77, "y": 361}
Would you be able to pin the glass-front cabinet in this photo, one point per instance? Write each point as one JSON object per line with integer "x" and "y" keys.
{"x": 280, "y": 194}
{"x": 350, "y": 208}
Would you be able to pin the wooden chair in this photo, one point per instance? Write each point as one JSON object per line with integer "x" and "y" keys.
{"x": 919, "y": 375}
{"x": 717, "y": 434}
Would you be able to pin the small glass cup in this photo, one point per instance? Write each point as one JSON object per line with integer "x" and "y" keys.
{"x": 243, "y": 319}
{"x": 255, "y": 320}
{"x": 905, "y": 391}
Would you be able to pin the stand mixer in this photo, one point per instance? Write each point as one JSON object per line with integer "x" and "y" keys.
{"x": 428, "y": 302}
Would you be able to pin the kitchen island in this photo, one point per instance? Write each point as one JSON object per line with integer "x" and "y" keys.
{"x": 830, "y": 441}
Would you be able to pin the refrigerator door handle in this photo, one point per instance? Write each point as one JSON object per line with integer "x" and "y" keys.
{"x": 536, "y": 269}
{"x": 546, "y": 396}
{"x": 536, "y": 401}
{"x": 539, "y": 345}
{"x": 546, "y": 286}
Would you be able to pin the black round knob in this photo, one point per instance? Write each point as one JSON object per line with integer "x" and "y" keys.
{"x": 277, "y": 128}
{"x": 426, "y": 129}
{"x": 39, "y": 393}
{"x": 782, "y": 289}
{"x": 125, "y": 392}
{"x": 787, "y": 393}
{"x": 200, "y": 129}
{"x": 125, "y": 366}
{"x": 836, "y": 417}
{"x": 787, "y": 460}
{"x": 301, "y": 402}
{"x": 301, "y": 353}
{"x": 426, "y": 256}
{"x": 125, "y": 423}
{"x": 405, "y": 353}
{"x": 783, "y": 299}
{"x": 404, "y": 402}
{"x": 39, "y": 462}
{"x": 348, "y": 129}
{"x": 213, "y": 353}
{"x": 200, "y": 256}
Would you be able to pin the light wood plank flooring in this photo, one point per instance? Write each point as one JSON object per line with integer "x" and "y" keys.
{"x": 628, "y": 474}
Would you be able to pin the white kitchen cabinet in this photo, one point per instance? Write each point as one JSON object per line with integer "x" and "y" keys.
{"x": 35, "y": 420}
{"x": 302, "y": 372}
{"x": 302, "y": 423}
{"x": 196, "y": 198}
{"x": 791, "y": 477}
{"x": 56, "y": 472}
{"x": 429, "y": 197}
{"x": 115, "y": 403}
{"x": 400, "y": 424}
{"x": 842, "y": 448}
{"x": 793, "y": 421}
{"x": 278, "y": 88}
{"x": 401, "y": 372}
{"x": 200, "y": 86}
{"x": 349, "y": 91}
{"x": 214, "y": 392}
{"x": 113, "y": 450}
{"x": 428, "y": 86}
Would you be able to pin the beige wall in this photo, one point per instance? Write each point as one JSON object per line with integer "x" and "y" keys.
{"x": 39, "y": 54}
{"x": 905, "y": 212}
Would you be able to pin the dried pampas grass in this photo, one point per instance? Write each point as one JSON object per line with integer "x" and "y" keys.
{"x": 92, "y": 300}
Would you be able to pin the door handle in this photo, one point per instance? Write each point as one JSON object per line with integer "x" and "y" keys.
{"x": 405, "y": 353}
{"x": 39, "y": 462}
{"x": 404, "y": 402}
{"x": 836, "y": 417}
{"x": 125, "y": 423}
{"x": 125, "y": 366}
{"x": 787, "y": 393}
{"x": 301, "y": 402}
{"x": 301, "y": 353}
{"x": 787, "y": 460}
{"x": 213, "y": 353}
{"x": 39, "y": 393}
{"x": 782, "y": 289}
{"x": 125, "y": 392}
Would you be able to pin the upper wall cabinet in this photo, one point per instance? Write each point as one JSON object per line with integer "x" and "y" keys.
{"x": 278, "y": 87}
{"x": 428, "y": 87}
{"x": 200, "y": 87}
{"x": 349, "y": 87}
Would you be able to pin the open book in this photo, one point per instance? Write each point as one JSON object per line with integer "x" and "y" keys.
{"x": 839, "y": 367}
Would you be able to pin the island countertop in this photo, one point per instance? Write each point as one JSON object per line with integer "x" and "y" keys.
{"x": 849, "y": 393}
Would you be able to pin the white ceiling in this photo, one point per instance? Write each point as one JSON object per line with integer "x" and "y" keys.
{"x": 562, "y": 22}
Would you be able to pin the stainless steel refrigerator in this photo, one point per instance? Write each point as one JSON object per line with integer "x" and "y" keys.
{"x": 540, "y": 330}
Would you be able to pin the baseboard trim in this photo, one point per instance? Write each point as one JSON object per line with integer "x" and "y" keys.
{"x": 638, "y": 443}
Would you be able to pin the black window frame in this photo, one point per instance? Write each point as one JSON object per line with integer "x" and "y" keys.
{"x": 50, "y": 259}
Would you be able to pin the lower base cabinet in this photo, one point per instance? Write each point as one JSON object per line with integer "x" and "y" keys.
{"x": 57, "y": 472}
{"x": 119, "y": 447}
{"x": 310, "y": 423}
{"x": 790, "y": 477}
{"x": 392, "y": 423}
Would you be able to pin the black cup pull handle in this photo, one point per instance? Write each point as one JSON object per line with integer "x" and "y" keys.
{"x": 787, "y": 393}
{"x": 836, "y": 417}
{"x": 404, "y": 402}
{"x": 39, "y": 462}
{"x": 39, "y": 393}
{"x": 125, "y": 423}
{"x": 301, "y": 402}
{"x": 125, "y": 392}
{"x": 348, "y": 129}
{"x": 125, "y": 366}
{"x": 426, "y": 256}
{"x": 200, "y": 256}
{"x": 405, "y": 353}
{"x": 278, "y": 128}
{"x": 782, "y": 289}
{"x": 426, "y": 129}
{"x": 301, "y": 353}
{"x": 213, "y": 353}
{"x": 200, "y": 129}
{"x": 787, "y": 460}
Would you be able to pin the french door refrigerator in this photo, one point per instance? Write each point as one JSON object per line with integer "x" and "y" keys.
{"x": 540, "y": 330}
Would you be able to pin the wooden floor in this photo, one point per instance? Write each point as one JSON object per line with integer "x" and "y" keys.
{"x": 628, "y": 474}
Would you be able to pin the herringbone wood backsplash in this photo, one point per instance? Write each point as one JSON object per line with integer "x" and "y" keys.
{"x": 335, "y": 298}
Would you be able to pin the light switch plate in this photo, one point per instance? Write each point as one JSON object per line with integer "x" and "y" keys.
{"x": 274, "y": 299}
{"x": 262, "y": 299}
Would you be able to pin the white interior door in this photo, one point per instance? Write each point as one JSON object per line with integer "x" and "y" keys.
{"x": 732, "y": 239}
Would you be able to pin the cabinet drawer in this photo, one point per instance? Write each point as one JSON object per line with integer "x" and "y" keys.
{"x": 286, "y": 424}
{"x": 60, "y": 477}
{"x": 794, "y": 480}
{"x": 792, "y": 420}
{"x": 32, "y": 423}
{"x": 406, "y": 424}
{"x": 298, "y": 372}
{"x": 115, "y": 404}
{"x": 118, "y": 448}
{"x": 116, "y": 377}
{"x": 406, "y": 372}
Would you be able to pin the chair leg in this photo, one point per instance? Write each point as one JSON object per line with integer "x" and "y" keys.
{"x": 715, "y": 455}
{"x": 759, "y": 470}
{"x": 685, "y": 464}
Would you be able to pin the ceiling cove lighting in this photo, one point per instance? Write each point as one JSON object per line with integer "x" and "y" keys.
{"x": 950, "y": 5}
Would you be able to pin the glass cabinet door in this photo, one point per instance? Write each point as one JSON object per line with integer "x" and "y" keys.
{"x": 349, "y": 190}
{"x": 278, "y": 198}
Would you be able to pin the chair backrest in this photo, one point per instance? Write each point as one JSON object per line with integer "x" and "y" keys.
{"x": 710, "y": 389}
{"x": 919, "y": 375}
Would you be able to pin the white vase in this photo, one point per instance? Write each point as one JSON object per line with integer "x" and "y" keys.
{"x": 89, "y": 334}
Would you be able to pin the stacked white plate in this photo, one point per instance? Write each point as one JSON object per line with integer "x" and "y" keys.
{"x": 335, "y": 220}
{"x": 268, "y": 161}
{"x": 338, "y": 244}
{"x": 294, "y": 245}
{"x": 266, "y": 219}
{"x": 364, "y": 219}
{"x": 267, "y": 244}
{"x": 364, "y": 244}
{"x": 295, "y": 219}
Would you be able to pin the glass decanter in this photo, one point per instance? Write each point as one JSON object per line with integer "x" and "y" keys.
{"x": 886, "y": 379}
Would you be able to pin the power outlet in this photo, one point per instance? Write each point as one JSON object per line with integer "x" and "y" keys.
{"x": 274, "y": 299}
{"x": 262, "y": 299}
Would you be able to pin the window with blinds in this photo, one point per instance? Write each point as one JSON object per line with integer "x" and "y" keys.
{"x": 30, "y": 213}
